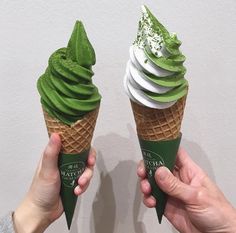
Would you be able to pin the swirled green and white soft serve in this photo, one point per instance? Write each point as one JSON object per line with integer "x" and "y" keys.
{"x": 66, "y": 88}
{"x": 155, "y": 72}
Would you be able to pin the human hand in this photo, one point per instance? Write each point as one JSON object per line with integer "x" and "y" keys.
{"x": 195, "y": 204}
{"x": 42, "y": 204}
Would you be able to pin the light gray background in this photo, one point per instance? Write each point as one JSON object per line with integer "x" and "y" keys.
{"x": 31, "y": 30}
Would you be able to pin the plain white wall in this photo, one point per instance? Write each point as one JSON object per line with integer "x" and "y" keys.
{"x": 31, "y": 30}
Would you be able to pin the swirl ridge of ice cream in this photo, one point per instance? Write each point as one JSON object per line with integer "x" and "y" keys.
{"x": 66, "y": 88}
{"x": 155, "y": 72}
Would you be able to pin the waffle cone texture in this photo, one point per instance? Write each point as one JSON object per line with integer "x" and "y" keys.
{"x": 159, "y": 124}
{"x": 75, "y": 138}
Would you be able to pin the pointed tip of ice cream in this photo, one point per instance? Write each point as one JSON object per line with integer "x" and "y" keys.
{"x": 144, "y": 8}
{"x": 153, "y": 22}
{"x": 79, "y": 48}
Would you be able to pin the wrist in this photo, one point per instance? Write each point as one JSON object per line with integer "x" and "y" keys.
{"x": 27, "y": 219}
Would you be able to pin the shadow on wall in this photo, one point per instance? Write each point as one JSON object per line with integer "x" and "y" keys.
{"x": 113, "y": 210}
{"x": 199, "y": 156}
{"x": 74, "y": 226}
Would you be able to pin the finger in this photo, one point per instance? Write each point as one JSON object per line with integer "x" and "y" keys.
{"x": 182, "y": 158}
{"x": 141, "y": 172}
{"x": 149, "y": 201}
{"x": 173, "y": 186}
{"x": 85, "y": 177}
{"x": 91, "y": 158}
{"x": 145, "y": 187}
{"x": 50, "y": 155}
{"x": 79, "y": 190}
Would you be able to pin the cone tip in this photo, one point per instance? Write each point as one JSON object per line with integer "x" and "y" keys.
{"x": 160, "y": 218}
{"x": 160, "y": 214}
{"x": 69, "y": 221}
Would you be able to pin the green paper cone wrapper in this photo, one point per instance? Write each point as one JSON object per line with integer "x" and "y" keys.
{"x": 71, "y": 167}
{"x": 157, "y": 154}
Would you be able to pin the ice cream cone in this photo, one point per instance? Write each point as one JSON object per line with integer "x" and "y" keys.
{"x": 70, "y": 103}
{"x": 159, "y": 136}
{"x": 156, "y": 85}
{"x": 76, "y": 141}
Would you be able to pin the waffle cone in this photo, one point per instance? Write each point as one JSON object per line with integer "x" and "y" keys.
{"x": 77, "y": 137}
{"x": 159, "y": 124}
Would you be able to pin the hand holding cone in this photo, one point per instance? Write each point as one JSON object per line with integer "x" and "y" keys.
{"x": 70, "y": 103}
{"x": 159, "y": 137}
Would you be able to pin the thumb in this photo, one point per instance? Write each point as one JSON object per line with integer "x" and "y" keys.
{"x": 172, "y": 185}
{"x": 50, "y": 155}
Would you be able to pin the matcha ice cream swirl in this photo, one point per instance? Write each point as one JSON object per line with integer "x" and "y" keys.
{"x": 66, "y": 88}
{"x": 155, "y": 72}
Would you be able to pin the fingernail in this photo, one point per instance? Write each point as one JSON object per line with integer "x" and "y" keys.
{"x": 77, "y": 190}
{"x": 92, "y": 160}
{"x": 141, "y": 169}
{"x": 51, "y": 140}
{"x": 162, "y": 173}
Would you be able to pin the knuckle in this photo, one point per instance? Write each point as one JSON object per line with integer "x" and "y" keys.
{"x": 47, "y": 153}
{"x": 200, "y": 196}
{"x": 148, "y": 202}
{"x": 142, "y": 186}
{"x": 49, "y": 177}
